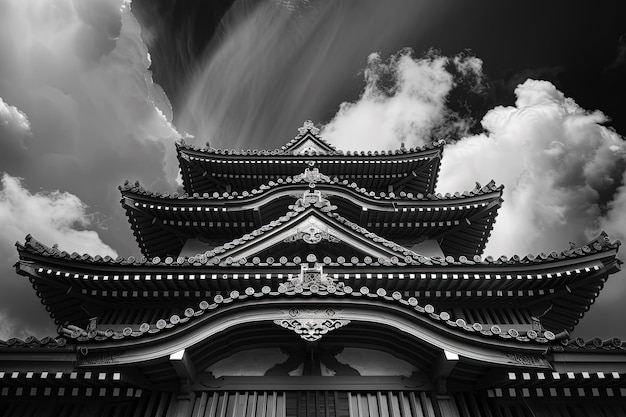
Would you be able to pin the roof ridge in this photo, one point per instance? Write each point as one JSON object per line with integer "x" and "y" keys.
{"x": 601, "y": 245}
{"x": 308, "y": 128}
{"x": 34, "y": 342}
{"x": 313, "y": 175}
{"x": 593, "y": 343}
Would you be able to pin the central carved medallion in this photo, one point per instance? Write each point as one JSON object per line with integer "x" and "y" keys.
{"x": 312, "y": 324}
{"x": 312, "y": 232}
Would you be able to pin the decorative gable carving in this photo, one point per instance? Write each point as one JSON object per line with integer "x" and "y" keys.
{"x": 312, "y": 232}
{"x": 309, "y": 147}
{"x": 308, "y": 142}
{"x": 312, "y": 324}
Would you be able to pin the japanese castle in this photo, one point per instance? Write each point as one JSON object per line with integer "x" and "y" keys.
{"x": 311, "y": 282}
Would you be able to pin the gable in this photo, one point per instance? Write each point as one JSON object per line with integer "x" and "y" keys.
{"x": 309, "y": 145}
{"x": 312, "y": 222}
{"x": 308, "y": 142}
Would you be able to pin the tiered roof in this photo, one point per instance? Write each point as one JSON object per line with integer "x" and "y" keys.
{"x": 563, "y": 284}
{"x": 313, "y": 241}
{"x": 208, "y": 170}
{"x": 460, "y": 222}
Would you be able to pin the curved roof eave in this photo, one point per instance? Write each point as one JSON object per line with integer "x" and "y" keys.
{"x": 32, "y": 249}
{"x": 209, "y": 320}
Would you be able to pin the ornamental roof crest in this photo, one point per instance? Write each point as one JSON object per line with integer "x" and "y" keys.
{"x": 311, "y": 278}
{"x": 312, "y": 176}
{"x": 316, "y": 199}
{"x": 308, "y": 126}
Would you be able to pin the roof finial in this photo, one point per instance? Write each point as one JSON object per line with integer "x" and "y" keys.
{"x": 308, "y": 126}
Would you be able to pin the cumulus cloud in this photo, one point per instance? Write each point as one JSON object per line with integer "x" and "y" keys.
{"x": 13, "y": 121}
{"x": 404, "y": 100}
{"x": 53, "y": 217}
{"x": 80, "y": 71}
{"x": 14, "y": 128}
{"x": 56, "y": 217}
{"x": 560, "y": 166}
{"x": 564, "y": 172}
{"x": 90, "y": 117}
{"x": 558, "y": 163}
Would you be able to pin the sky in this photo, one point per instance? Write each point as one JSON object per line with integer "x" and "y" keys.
{"x": 96, "y": 92}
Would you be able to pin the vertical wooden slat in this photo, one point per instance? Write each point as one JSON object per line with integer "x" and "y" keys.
{"x": 327, "y": 405}
{"x": 261, "y": 402}
{"x": 427, "y": 405}
{"x": 222, "y": 405}
{"x": 403, "y": 404}
{"x": 251, "y": 407}
{"x": 364, "y": 405}
{"x": 416, "y": 406}
{"x": 462, "y": 405}
{"x": 447, "y": 406}
{"x": 343, "y": 404}
{"x": 353, "y": 406}
{"x": 372, "y": 405}
{"x": 232, "y": 405}
{"x": 338, "y": 410}
{"x": 271, "y": 405}
{"x": 200, "y": 406}
{"x": 280, "y": 404}
{"x": 434, "y": 400}
{"x": 172, "y": 402}
{"x": 212, "y": 404}
{"x": 197, "y": 401}
{"x": 384, "y": 403}
{"x": 241, "y": 408}
{"x": 162, "y": 406}
{"x": 306, "y": 407}
{"x": 320, "y": 404}
{"x": 394, "y": 406}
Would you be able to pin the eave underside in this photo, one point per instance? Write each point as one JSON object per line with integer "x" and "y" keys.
{"x": 144, "y": 295}
{"x": 214, "y": 174}
{"x": 161, "y": 228}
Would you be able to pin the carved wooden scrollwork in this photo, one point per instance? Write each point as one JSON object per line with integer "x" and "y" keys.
{"x": 312, "y": 324}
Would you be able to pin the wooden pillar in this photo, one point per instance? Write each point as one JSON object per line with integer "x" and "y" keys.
{"x": 187, "y": 374}
{"x": 444, "y": 365}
